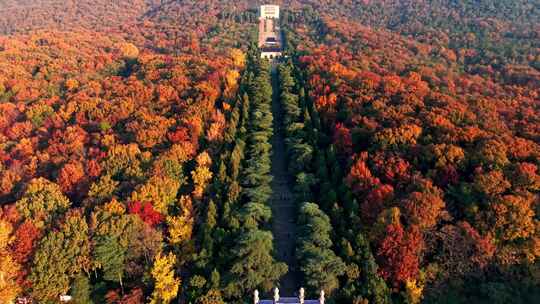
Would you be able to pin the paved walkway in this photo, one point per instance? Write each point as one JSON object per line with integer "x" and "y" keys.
{"x": 284, "y": 207}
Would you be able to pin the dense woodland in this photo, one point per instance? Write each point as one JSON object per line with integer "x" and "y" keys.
{"x": 421, "y": 140}
{"x": 135, "y": 150}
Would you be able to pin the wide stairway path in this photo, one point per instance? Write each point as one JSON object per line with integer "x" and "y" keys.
{"x": 284, "y": 207}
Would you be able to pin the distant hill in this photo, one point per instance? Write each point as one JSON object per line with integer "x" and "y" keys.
{"x": 20, "y": 16}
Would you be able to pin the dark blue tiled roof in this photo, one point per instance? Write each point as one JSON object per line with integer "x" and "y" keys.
{"x": 289, "y": 300}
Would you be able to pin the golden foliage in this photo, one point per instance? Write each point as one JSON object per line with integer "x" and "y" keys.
{"x": 215, "y": 131}
{"x": 161, "y": 191}
{"x": 129, "y": 50}
{"x": 403, "y": 136}
{"x": 413, "y": 291}
{"x": 9, "y": 289}
{"x": 9, "y": 269}
{"x": 115, "y": 207}
{"x": 231, "y": 83}
{"x": 181, "y": 227}
{"x": 514, "y": 217}
{"x": 238, "y": 57}
{"x": 5, "y": 234}
{"x": 204, "y": 159}
{"x": 200, "y": 177}
{"x": 71, "y": 84}
{"x": 202, "y": 174}
{"x": 166, "y": 285}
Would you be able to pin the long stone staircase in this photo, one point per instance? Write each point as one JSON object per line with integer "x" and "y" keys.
{"x": 284, "y": 207}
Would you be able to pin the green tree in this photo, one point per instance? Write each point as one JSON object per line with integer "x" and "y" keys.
{"x": 237, "y": 155}
{"x": 256, "y": 175}
{"x": 234, "y": 123}
{"x": 61, "y": 255}
{"x": 111, "y": 256}
{"x": 81, "y": 289}
{"x": 253, "y": 265}
{"x": 211, "y": 215}
{"x": 245, "y": 114}
{"x": 300, "y": 156}
{"x": 373, "y": 286}
{"x": 255, "y": 214}
{"x": 289, "y": 100}
{"x": 303, "y": 186}
{"x": 320, "y": 265}
{"x": 213, "y": 296}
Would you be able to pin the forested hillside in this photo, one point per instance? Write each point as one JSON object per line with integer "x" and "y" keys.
{"x": 135, "y": 151}
{"x": 108, "y": 146}
{"x": 423, "y": 141}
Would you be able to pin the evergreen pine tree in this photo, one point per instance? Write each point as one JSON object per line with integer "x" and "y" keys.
{"x": 320, "y": 265}
{"x": 81, "y": 289}
{"x": 253, "y": 265}
{"x": 374, "y": 287}
{"x": 111, "y": 257}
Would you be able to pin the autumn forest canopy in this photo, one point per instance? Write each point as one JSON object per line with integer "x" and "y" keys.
{"x": 138, "y": 146}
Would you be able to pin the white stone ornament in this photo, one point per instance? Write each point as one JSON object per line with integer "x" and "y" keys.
{"x": 256, "y": 297}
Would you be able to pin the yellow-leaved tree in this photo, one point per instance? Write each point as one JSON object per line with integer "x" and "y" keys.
{"x": 181, "y": 227}
{"x": 9, "y": 289}
{"x": 413, "y": 291}
{"x": 129, "y": 50}
{"x": 238, "y": 57}
{"x": 201, "y": 175}
{"x": 161, "y": 191}
{"x": 231, "y": 83}
{"x": 166, "y": 285}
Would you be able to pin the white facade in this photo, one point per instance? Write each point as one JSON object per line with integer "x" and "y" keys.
{"x": 269, "y": 11}
{"x": 66, "y": 298}
{"x": 270, "y": 55}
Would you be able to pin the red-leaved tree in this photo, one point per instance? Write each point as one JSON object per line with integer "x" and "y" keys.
{"x": 146, "y": 212}
{"x": 398, "y": 254}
